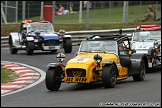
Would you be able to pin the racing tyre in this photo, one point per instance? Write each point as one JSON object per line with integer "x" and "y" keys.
{"x": 141, "y": 75}
{"x": 109, "y": 76}
{"x": 30, "y": 48}
{"x": 67, "y": 45}
{"x": 12, "y": 50}
{"x": 52, "y": 80}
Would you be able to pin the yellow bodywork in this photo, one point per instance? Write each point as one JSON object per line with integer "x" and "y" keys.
{"x": 85, "y": 61}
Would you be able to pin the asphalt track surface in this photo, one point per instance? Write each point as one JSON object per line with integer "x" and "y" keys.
{"x": 126, "y": 92}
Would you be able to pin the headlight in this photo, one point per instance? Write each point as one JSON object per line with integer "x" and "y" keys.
{"x": 157, "y": 44}
{"x": 97, "y": 58}
{"x": 61, "y": 32}
{"x": 60, "y": 57}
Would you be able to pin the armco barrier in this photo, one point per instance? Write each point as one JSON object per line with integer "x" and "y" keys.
{"x": 78, "y": 36}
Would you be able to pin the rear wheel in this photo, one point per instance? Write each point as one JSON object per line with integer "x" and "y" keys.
{"x": 67, "y": 44}
{"x": 30, "y": 48}
{"x": 12, "y": 50}
{"x": 53, "y": 78}
{"x": 141, "y": 75}
{"x": 109, "y": 76}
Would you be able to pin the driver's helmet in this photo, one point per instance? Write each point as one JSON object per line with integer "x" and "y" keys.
{"x": 96, "y": 37}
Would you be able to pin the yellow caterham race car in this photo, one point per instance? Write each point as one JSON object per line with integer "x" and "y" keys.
{"x": 104, "y": 58}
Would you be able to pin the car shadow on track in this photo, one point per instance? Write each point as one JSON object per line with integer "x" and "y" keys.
{"x": 95, "y": 85}
{"x": 154, "y": 70}
{"x": 87, "y": 86}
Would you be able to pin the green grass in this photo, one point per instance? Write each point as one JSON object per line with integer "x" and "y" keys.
{"x": 7, "y": 75}
{"x": 106, "y": 16}
{"x": 99, "y": 19}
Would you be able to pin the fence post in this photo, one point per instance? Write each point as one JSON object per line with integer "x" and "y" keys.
{"x": 16, "y": 11}
{"x": 80, "y": 12}
{"x": 125, "y": 12}
{"x": 5, "y": 12}
{"x": 23, "y": 10}
{"x": 3, "y": 15}
{"x": 41, "y": 14}
{"x": 87, "y": 14}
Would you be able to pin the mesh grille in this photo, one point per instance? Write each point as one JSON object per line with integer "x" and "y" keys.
{"x": 51, "y": 42}
{"x": 76, "y": 72}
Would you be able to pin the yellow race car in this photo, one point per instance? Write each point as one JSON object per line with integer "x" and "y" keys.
{"x": 104, "y": 58}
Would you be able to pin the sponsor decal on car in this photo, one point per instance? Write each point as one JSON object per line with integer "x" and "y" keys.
{"x": 80, "y": 60}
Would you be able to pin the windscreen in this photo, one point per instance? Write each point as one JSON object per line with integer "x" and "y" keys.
{"x": 146, "y": 35}
{"x": 101, "y": 46}
{"x": 46, "y": 27}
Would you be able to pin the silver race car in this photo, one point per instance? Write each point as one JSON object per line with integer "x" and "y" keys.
{"x": 147, "y": 39}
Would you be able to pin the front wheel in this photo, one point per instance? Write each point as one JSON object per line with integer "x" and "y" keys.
{"x": 67, "y": 45}
{"x": 30, "y": 48}
{"x": 109, "y": 76}
{"x": 53, "y": 78}
{"x": 12, "y": 50}
{"x": 141, "y": 75}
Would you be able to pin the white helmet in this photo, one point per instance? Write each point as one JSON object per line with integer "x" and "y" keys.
{"x": 96, "y": 37}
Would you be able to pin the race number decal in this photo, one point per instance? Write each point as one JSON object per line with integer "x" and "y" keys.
{"x": 80, "y": 60}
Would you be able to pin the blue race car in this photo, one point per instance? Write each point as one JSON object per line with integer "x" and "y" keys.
{"x": 38, "y": 36}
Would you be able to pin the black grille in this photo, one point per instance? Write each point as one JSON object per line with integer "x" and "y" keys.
{"x": 51, "y": 42}
{"x": 76, "y": 72}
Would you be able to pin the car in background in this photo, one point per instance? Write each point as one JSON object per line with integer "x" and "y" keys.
{"x": 39, "y": 35}
{"x": 103, "y": 58}
{"x": 147, "y": 39}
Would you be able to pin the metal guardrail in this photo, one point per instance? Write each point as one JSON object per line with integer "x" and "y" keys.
{"x": 78, "y": 36}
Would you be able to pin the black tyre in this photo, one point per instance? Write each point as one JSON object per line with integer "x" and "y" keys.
{"x": 52, "y": 80}
{"x": 12, "y": 50}
{"x": 29, "y": 48}
{"x": 109, "y": 76}
{"x": 141, "y": 75}
{"x": 67, "y": 45}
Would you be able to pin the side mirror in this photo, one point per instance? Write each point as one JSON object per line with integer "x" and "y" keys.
{"x": 60, "y": 57}
{"x": 132, "y": 51}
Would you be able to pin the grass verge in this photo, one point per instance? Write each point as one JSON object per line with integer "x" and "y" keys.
{"x": 8, "y": 75}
